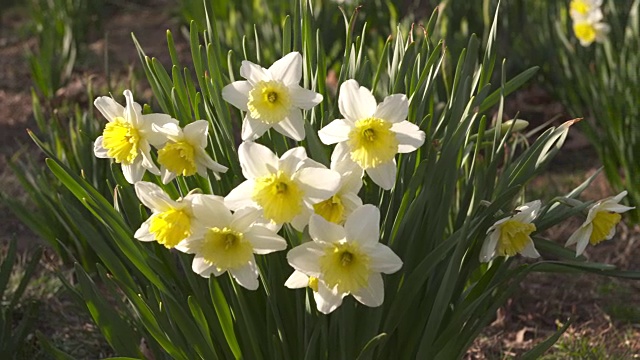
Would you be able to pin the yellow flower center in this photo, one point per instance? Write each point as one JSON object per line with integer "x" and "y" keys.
{"x": 170, "y": 227}
{"x": 584, "y": 31}
{"x": 345, "y": 265}
{"x": 279, "y": 197}
{"x": 580, "y": 7}
{"x": 331, "y": 209}
{"x": 269, "y": 101}
{"x": 121, "y": 140}
{"x": 514, "y": 237}
{"x": 602, "y": 223}
{"x": 225, "y": 248}
{"x": 313, "y": 283}
{"x": 178, "y": 157}
{"x": 372, "y": 142}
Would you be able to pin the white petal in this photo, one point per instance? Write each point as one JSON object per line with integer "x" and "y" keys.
{"x": 264, "y": 240}
{"x": 384, "y": 260}
{"x": 582, "y": 243}
{"x": 618, "y": 208}
{"x": 327, "y": 300}
{"x": 243, "y": 218}
{"x": 240, "y": 196}
{"x": 256, "y": 160}
{"x": 156, "y": 138}
{"x": 133, "y": 172}
{"x": 199, "y": 266}
{"x": 211, "y": 211}
{"x": 488, "y": 250}
{"x": 336, "y": 131}
{"x": 393, "y": 109}
{"x": 341, "y": 153}
{"x": 322, "y": 230}
{"x": 363, "y": 225}
{"x": 351, "y": 202}
{"x": 384, "y": 174}
{"x": 530, "y": 251}
{"x": 204, "y": 160}
{"x": 254, "y": 73}
{"x": 303, "y": 98}
{"x": 167, "y": 175}
{"x": 108, "y": 107}
{"x": 237, "y": 94}
{"x": 292, "y": 126}
{"x": 246, "y": 276}
{"x": 317, "y": 184}
{"x": 372, "y": 295}
{"x": 409, "y": 136}
{"x": 291, "y": 160}
{"x": 143, "y": 233}
{"x": 146, "y": 159}
{"x": 288, "y": 69}
{"x": 153, "y": 197}
{"x": 305, "y": 258}
{"x": 301, "y": 220}
{"x": 351, "y": 181}
{"x": 579, "y": 235}
{"x": 131, "y": 111}
{"x": 253, "y": 128}
{"x": 98, "y": 150}
{"x": 297, "y": 280}
{"x": 196, "y": 133}
{"x": 356, "y": 102}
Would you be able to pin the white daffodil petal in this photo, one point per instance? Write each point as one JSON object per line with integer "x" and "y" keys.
{"x": 256, "y": 160}
{"x": 323, "y": 231}
{"x": 409, "y": 136}
{"x": 287, "y": 69}
{"x": 240, "y": 196}
{"x": 143, "y": 233}
{"x": 297, "y": 280}
{"x": 155, "y": 138}
{"x": 237, "y": 94}
{"x": 384, "y": 175}
{"x": 356, "y": 102}
{"x": 130, "y": 113}
{"x": 318, "y": 184}
{"x": 581, "y": 245}
{"x": 488, "y": 250}
{"x": 264, "y": 240}
{"x": 372, "y": 295}
{"x": 254, "y": 73}
{"x": 153, "y": 197}
{"x": 530, "y": 251}
{"x": 363, "y": 225}
{"x": 290, "y": 161}
{"x": 301, "y": 220}
{"x": 243, "y": 218}
{"x": 253, "y": 128}
{"x": 341, "y": 153}
{"x": 326, "y": 299}
{"x": 303, "y": 98}
{"x": 305, "y": 258}
{"x": 209, "y": 210}
{"x": 167, "y": 176}
{"x": 98, "y": 150}
{"x": 384, "y": 260}
{"x": 617, "y": 208}
{"x": 292, "y": 126}
{"x": 580, "y": 234}
{"x": 196, "y": 133}
{"x": 393, "y": 109}
{"x": 108, "y": 107}
{"x": 199, "y": 265}
{"x": 246, "y": 276}
{"x": 335, "y": 132}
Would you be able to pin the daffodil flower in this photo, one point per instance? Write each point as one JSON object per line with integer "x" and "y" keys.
{"x": 228, "y": 242}
{"x": 600, "y": 224}
{"x": 511, "y": 235}
{"x": 583, "y": 9}
{"x": 589, "y": 30}
{"x": 128, "y": 135}
{"x": 285, "y": 188}
{"x": 338, "y": 207}
{"x": 272, "y": 98}
{"x": 370, "y": 135}
{"x": 347, "y": 260}
{"x": 183, "y": 153}
{"x": 171, "y": 222}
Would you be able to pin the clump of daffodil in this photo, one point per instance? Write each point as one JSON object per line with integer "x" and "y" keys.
{"x": 587, "y": 21}
{"x": 171, "y": 221}
{"x": 272, "y": 98}
{"x": 285, "y": 188}
{"x": 227, "y": 242}
{"x": 184, "y": 154}
{"x": 371, "y": 134}
{"x": 128, "y": 136}
{"x": 338, "y": 207}
{"x": 600, "y": 224}
{"x": 343, "y": 261}
{"x": 512, "y": 235}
